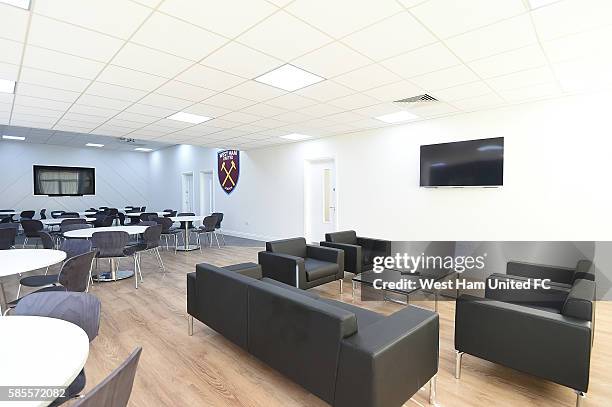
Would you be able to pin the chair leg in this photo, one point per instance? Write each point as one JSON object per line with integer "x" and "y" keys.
{"x": 217, "y": 239}
{"x": 432, "y": 390}
{"x": 189, "y": 325}
{"x": 223, "y": 238}
{"x": 46, "y": 270}
{"x": 25, "y": 241}
{"x": 458, "y": 356}
{"x": 135, "y": 270}
{"x": 161, "y": 262}
{"x": 580, "y": 396}
{"x": 175, "y": 242}
{"x": 18, "y": 291}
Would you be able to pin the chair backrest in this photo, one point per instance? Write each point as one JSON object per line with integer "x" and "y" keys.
{"x": 47, "y": 240}
{"x": 110, "y": 244}
{"x": 148, "y": 223}
{"x": 72, "y": 221}
{"x": 148, "y": 216}
{"x": 6, "y": 219}
{"x": 75, "y": 247}
{"x": 166, "y": 224}
{"x": 10, "y": 225}
{"x": 7, "y": 237}
{"x": 346, "y": 236}
{"x": 116, "y": 388}
{"x": 81, "y": 309}
{"x": 74, "y": 275}
{"x": 293, "y": 247}
{"x": 69, "y": 215}
{"x": 27, "y": 214}
{"x": 43, "y": 214}
{"x": 113, "y": 211}
{"x": 56, "y": 214}
{"x": 219, "y": 216}
{"x": 151, "y": 236}
{"x": 143, "y": 209}
{"x": 209, "y": 223}
{"x": 31, "y": 227}
{"x": 74, "y": 226}
{"x": 103, "y": 221}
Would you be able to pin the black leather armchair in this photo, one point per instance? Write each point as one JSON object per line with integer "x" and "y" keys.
{"x": 293, "y": 262}
{"x": 359, "y": 252}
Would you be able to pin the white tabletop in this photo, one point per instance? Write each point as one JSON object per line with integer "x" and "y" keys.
{"x": 140, "y": 213}
{"x": 25, "y": 362}
{"x": 58, "y": 221}
{"x": 8, "y": 213}
{"x": 17, "y": 261}
{"x": 187, "y": 218}
{"x": 87, "y": 233}
{"x": 87, "y": 213}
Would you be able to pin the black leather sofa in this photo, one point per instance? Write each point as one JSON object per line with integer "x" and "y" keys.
{"x": 546, "y": 333}
{"x": 346, "y": 355}
{"x": 359, "y": 252}
{"x": 304, "y": 266}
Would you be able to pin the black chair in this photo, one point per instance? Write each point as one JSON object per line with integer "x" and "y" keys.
{"x": 359, "y": 252}
{"x": 121, "y": 217}
{"x": 6, "y": 219}
{"x": 7, "y": 237}
{"x": 46, "y": 240}
{"x": 143, "y": 209}
{"x": 293, "y": 262}
{"x": 171, "y": 213}
{"x": 75, "y": 226}
{"x": 43, "y": 214}
{"x": 31, "y": 227}
{"x": 148, "y": 216}
{"x": 208, "y": 229}
{"x": 112, "y": 245}
{"x": 168, "y": 230}
{"x": 81, "y": 309}
{"x": 27, "y": 215}
{"x": 103, "y": 221}
{"x": 116, "y": 389}
{"x": 219, "y": 216}
{"x": 56, "y": 214}
{"x": 75, "y": 247}
{"x": 69, "y": 215}
{"x": 150, "y": 243}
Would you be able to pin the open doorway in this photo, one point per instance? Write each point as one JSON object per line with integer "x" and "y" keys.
{"x": 320, "y": 214}
{"x": 187, "y": 192}
{"x": 206, "y": 193}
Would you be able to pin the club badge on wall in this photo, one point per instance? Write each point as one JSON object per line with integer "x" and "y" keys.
{"x": 228, "y": 168}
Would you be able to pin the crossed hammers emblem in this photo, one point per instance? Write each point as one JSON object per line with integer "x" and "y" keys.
{"x": 227, "y": 172}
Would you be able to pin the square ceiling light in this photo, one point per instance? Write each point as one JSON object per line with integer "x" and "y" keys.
{"x": 94, "y": 145}
{"x": 289, "y": 78}
{"x": 5, "y": 137}
{"x": 397, "y": 117}
{"x": 295, "y": 136}
{"x": 189, "y": 118}
{"x": 146, "y": 150}
{"x": 25, "y": 4}
{"x": 7, "y": 86}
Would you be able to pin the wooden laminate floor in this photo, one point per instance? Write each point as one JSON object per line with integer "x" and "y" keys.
{"x": 207, "y": 370}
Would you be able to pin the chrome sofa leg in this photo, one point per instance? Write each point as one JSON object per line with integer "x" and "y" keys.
{"x": 341, "y": 286}
{"x": 432, "y": 390}
{"x": 458, "y": 356}
{"x": 190, "y": 325}
{"x": 580, "y": 396}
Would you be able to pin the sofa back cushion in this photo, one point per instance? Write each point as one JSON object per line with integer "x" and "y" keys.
{"x": 579, "y": 301}
{"x": 293, "y": 247}
{"x": 298, "y": 335}
{"x": 346, "y": 237}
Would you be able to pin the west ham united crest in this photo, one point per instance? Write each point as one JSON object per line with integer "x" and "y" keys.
{"x": 228, "y": 166}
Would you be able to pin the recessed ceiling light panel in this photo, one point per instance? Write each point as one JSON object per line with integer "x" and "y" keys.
{"x": 94, "y": 145}
{"x": 189, "y": 118}
{"x": 5, "y": 137}
{"x": 289, "y": 78}
{"x": 397, "y": 117}
{"x": 146, "y": 150}
{"x": 25, "y": 4}
{"x": 7, "y": 86}
{"x": 295, "y": 136}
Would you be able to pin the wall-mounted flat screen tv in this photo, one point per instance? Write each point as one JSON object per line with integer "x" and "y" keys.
{"x": 472, "y": 163}
{"x": 64, "y": 181}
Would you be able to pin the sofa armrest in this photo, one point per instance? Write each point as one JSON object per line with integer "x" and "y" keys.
{"x": 580, "y": 300}
{"x": 378, "y": 247}
{"x": 353, "y": 257}
{"x": 283, "y": 267}
{"x": 557, "y": 274}
{"x": 387, "y": 362}
{"x": 541, "y": 343}
{"x": 553, "y": 297}
{"x": 191, "y": 294}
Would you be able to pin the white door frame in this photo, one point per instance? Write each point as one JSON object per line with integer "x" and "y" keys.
{"x": 212, "y": 191}
{"x": 192, "y": 190}
{"x": 305, "y": 207}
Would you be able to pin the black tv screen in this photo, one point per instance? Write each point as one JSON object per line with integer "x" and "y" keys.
{"x": 64, "y": 181}
{"x": 463, "y": 164}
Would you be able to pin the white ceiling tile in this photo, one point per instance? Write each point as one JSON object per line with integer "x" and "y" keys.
{"x": 344, "y": 117}
{"x": 149, "y": 110}
{"x": 115, "y": 17}
{"x": 249, "y": 128}
{"x": 171, "y": 124}
{"x": 341, "y": 17}
{"x": 263, "y": 110}
{"x": 584, "y": 45}
{"x": 124, "y": 124}
{"x": 37, "y": 111}
{"x": 7, "y": 98}
{"x": 291, "y": 101}
{"x": 13, "y": 22}
{"x": 68, "y": 38}
{"x": 31, "y": 121}
{"x": 70, "y": 127}
{"x": 531, "y": 92}
{"x": 354, "y": 101}
{"x": 149, "y": 3}
{"x": 150, "y": 61}
{"x": 446, "y": 18}
{"x": 578, "y": 75}
{"x": 326, "y": 90}
{"x": 228, "y": 101}
{"x": 321, "y": 110}
{"x": 203, "y": 129}
{"x": 177, "y": 37}
{"x": 203, "y": 109}
{"x": 411, "y": 3}
{"x": 38, "y": 77}
{"x": 479, "y": 102}
{"x": 240, "y": 117}
{"x": 324, "y": 61}
{"x": 292, "y": 117}
{"x": 46, "y": 93}
{"x": 521, "y": 79}
{"x": 268, "y": 123}
{"x": 114, "y": 91}
{"x": 117, "y": 75}
{"x": 233, "y": 57}
{"x": 135, "y": 117}
{"x": 255, "y": 91}
{"x": 465, "y": 91}
{"x": 58, "y": 62}
{"x": 445, "y": 78}
{"x": 368, "y": 77}
{"x": 553, "y": 21}
{"x": 297, "y": 37}
{"x": 513, "y": 33}
{"x": 432, "y": 109}
{"x": 394, "y": 91}
{"x": 377, "y": 110}
{"x": 86, "y": 119}
{"x": 395, "y": 35}
{"x": 209, "y": 78}
{"x": 9, "y": 71}
{"x": 93, "y": 111}
{"x": 11, "y": 51}
{"x": 222, "y": 123}
{"x": 508, "y": 62}
{"x": 42, "y": 103}
{"x": 227, "y": 17}
{"x": 185, "y": 91}
{"x": 168, "y": 102}
{"x": 423, "y": 60}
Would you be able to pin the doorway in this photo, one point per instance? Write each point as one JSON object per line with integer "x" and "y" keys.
{"x": 206, "y": 193}
{"x": 187, "y": 192}
{"x": 320, "y": 214}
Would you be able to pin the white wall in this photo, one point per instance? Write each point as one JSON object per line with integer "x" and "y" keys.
{"x": 121, "y": 177}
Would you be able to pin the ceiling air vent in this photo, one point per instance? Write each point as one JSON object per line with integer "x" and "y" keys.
{"x": 130, "y": 141}
{"x": 416, "y": 100}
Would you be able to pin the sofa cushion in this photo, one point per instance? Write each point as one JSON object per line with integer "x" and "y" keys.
{"x": 347, "y": 237}
{"x": 252, "y": 270}
{"x": 280, "y": 284}
{"x": 364, "y": 316}
{"x": 294, "y": 247}
{"x": 316, "y": 269}
{"x": 584, "y": 271}
{"x": 579, "y": 301}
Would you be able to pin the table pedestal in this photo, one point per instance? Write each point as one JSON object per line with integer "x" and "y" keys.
{"x": 113, "y": 274}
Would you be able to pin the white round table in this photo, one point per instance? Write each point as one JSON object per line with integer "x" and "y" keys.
{"x": 26, "y": 361}
{"x": 18, "y": 261}
{"x": 137, "y": 214}
{"x": 186, "y": 246}
{"x": 87, "y": 213}
{"x": 9, "y": 213}
{"x": 58, "y": 221}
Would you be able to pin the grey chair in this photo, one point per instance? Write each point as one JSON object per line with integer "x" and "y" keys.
{"x": 150, "y": 243}
{"x": 208, "y": 229}
{"x": 43, "y": 214}
{"x": 168, "y": 231}
{"x": 31, "y": 227}
{"x": 26, "y": 215}
{"x": 219, "y": 216}
{"x": 103, "y": 221}
{"x": 46, "y": 240}
{"x": 69, "y": 215}
{"x": 73, "y": 221}
{"x": 112, "y": 246}
{"x": 116, "y": 389}
{"x": 75, "y": 247}
{"x": 7, "y": 238}
{"x": 81, "y": 309}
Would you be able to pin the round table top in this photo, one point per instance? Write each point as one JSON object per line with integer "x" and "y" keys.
{"x": 87, "y": 213}
{"x": 87, "y": 233}
{"x": 137, "y": 214}
{"x": 16, "y": 261}
{"x": 26, "y": 361}
{"x": 9, "y": 213}
{"x": 58, "y": 221}
{"x": 187, "y": 218}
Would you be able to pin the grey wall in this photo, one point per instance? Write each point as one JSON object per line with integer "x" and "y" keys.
{"x": 122, "y": 178}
